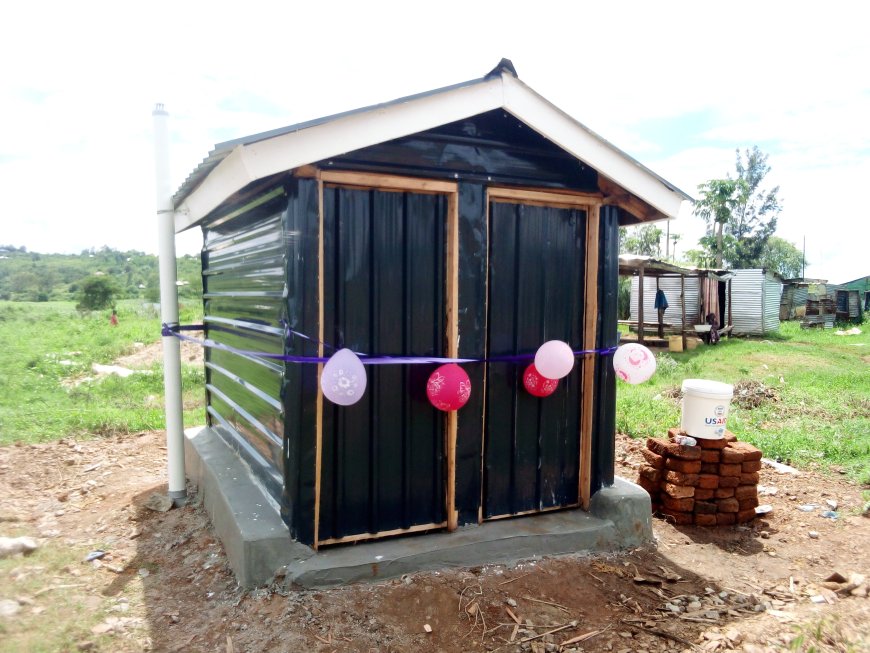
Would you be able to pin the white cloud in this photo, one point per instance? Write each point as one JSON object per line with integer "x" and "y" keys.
{"x": 80, "y": 79}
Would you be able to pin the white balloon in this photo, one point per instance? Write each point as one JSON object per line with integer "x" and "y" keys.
{"x": 554, "y": 359}
{"x": 634, "y": 363}
{"x": 344, "y": 378}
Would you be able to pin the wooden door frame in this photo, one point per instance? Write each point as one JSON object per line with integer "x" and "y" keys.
{"x": 591, "y": 204}
{"x": 401, "y": 184}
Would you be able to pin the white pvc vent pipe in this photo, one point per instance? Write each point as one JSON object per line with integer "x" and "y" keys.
{"x": 169, "y": 309}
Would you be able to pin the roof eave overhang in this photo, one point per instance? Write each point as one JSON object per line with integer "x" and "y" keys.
{"x": 624, "y": 181}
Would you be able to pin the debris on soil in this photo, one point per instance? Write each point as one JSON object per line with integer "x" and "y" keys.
{"x": 10, "y": 546}
{"x": 752, "y": 394}
{"x": 158, "y": 503}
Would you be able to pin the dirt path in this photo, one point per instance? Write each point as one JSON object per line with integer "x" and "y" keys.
{"x": 164, "y": 585}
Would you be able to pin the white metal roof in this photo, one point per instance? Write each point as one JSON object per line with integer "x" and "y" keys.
{"x": 233, "y": 165}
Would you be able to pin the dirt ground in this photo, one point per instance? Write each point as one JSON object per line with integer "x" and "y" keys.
{"x": 164, "y": 584}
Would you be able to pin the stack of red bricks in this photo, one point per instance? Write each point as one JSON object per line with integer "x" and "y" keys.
{"x": 712, "y": 483}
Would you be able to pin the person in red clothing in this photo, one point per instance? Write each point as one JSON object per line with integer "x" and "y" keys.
{"x": 114, "y": 319}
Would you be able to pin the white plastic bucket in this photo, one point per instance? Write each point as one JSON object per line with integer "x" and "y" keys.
{"x": 705, "y": 408}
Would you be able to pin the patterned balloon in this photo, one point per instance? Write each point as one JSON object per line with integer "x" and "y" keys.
{"x": 344, "y": 378}
{"x": 554, "y": 359}
{"x": 634, "y": 363}
{"x": 537, "y": 385}
{"x": 448, "y": 387}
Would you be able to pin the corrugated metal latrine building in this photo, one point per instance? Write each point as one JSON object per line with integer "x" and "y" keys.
{"x": 755, "y": 297}
{"x": 755, "y": 300}
{"x": 472, "y": 221}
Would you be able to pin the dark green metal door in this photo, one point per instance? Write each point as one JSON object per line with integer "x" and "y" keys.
{"x": 536, "y": 276}
{"x": 382, "y": 461}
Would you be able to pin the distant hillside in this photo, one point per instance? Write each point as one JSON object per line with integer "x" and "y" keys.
{"x": 30, "y": 276}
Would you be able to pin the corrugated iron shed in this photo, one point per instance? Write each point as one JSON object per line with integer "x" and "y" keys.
{"x": 755, "y": 301}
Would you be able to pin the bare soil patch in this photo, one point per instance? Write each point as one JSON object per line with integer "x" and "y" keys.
{"x": 164, "y": 584}
{"x": 144, "y": 356}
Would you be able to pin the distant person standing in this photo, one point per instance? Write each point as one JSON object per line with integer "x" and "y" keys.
{"x": 114, "y": 319}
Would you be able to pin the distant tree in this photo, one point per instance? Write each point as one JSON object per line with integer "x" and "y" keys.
{"x": 96, "y": 293}
{"x": 754, "y": 221}
{"x": 783, "y": 257}
{"x": 720, "y": 198}
{"x": 739, "y": 207}
{"x": 645, "y": 240}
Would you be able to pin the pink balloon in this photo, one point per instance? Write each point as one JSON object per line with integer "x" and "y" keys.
{"x": 554, "y": 359}
{"x": 634, "y": 363}
{"x": 343, "y": 380}
{"x": 448, "y": 387}
{"x": 537, "y": 385}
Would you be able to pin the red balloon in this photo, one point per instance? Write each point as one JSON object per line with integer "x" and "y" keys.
{"x": 537, "y": 385}
{"x": 448, "y": 387}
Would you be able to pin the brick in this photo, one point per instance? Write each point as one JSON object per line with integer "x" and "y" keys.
{"x": 728, "y": 505}
{"x": 685, "y": 466}
{"x": 724, "y": 492}
{"x": 746, "y": 504}
{"x": 749, "y": 452}
{"x": 650, "y": 473}
{"x": 710, "y": 456}
{"x": 678, "y": 491}
{"x": 749, "y": 478}
{"x": 710, "y": 468}
{"x": 674, "y": 431}
{"x": 702, "y": 494}
{"x": 652, "y": 488}
{"x": 653, "y": 459}
{"x": 725, "y": 518}
{"x": 745, "y": 492}
{"x": 679, "y": 517}
{"x": 681, "y": 478}
{"x": 684, "y": 452}
{"x": 726, "y": 469}
{"x": 657, "y": 446}
{"x": 702, "y": 519}
{"x": 746, "y": 515}
{"x": 732, "y": 455}
{"x": 681, "y": 505}
{"x": 708, "y": 481}
{"x": 729, "y": 481}
{"x": 751, "y": 466}
{"x": 666, "y": 448}
{"x": 706, "y": 507}
{"x": 705, "y": 443}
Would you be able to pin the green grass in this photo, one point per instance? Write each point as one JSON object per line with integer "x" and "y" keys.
{"x": 823, "y": 382}
{"x": 47, "y": 345}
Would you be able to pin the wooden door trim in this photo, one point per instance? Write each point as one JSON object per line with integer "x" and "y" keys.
{"x": 318, "y": 445}
{"x": 378, "y": 181}
{"x": 549, "y": 198}
{"x": 452, "y": 296}
{"x": 590, "y": 320}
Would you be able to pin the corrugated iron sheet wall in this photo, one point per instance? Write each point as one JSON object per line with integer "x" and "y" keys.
{"x": 671, "y": 287}
{"x": 772, "y": 294}
{"x": 243, "y": 294}
{"x": 755, "y": 296}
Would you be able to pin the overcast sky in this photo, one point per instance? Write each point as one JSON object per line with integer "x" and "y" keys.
{"x": 678, "y": 86}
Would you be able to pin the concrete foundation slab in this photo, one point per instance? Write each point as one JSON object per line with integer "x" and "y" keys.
{"x": 258, "y": 544}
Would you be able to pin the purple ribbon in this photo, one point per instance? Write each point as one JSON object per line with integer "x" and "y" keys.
{"x": 365, "y": 359}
